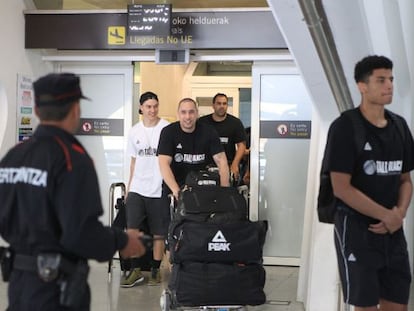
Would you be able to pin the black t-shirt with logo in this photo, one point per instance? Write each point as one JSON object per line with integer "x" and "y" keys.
{"x": 231, "y": 132}
{"x": 189, "y": 151}
{"x": 375, "y": 170}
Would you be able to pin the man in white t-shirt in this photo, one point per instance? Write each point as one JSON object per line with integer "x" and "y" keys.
{"x": 144, "y": 202}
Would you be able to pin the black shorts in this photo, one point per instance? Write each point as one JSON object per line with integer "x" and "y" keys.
{"x": 371, "y": 266}
{"x": 152, "y": 212}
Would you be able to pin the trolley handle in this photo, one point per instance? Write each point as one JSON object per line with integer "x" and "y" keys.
{"x": 172, "y": 205}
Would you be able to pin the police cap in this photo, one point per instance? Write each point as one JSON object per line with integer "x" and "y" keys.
{"x": 57, "y": 88}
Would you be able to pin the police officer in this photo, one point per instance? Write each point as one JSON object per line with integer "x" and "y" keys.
{"x": 50, "y": 207}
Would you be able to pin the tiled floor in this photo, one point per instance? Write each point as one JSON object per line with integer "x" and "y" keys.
{"x": 281, "y": 284}
{"x": 280, "y": 288}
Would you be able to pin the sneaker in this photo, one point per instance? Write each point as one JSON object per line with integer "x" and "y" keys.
{"x": 133, "y": 278}
{"x": 155, "y": 277}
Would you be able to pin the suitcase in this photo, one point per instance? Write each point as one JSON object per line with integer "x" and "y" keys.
{"x": 240, "y": 242}
{"x": 144, "y": 262}
{"x": 117, "y": 218}
{"x": 198, "y": 283}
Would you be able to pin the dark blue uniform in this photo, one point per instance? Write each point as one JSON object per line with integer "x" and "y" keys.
{"x": 51, "y": 203}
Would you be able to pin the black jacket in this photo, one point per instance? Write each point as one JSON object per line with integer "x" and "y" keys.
{"x": 50, "y": 199}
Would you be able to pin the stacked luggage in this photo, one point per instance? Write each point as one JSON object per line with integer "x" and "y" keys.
{"x": 215, "y": 251}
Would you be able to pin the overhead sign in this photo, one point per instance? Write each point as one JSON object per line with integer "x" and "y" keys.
{"x": 189, "y": 30}
{"x": 149, "y": 19}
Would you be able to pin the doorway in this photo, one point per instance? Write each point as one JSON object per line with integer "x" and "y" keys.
{"x": 273, "y": 87}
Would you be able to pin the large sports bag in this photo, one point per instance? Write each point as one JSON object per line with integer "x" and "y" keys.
{"x": 210, "y": 204}
{"x": 240, "y": 242}
{"x": 197, "y": 284}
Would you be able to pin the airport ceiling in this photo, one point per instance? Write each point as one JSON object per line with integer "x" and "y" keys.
{"x": 122, "y": 4}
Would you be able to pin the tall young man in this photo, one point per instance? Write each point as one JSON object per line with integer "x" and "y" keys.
{"x": 374, "y": 189}
{"x": 144, "y": 202}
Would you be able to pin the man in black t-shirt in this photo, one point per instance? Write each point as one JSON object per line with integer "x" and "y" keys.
{"x": 373, "y": 187}
{"x": 231, "y": 131}
{"x": 187, "y": 145}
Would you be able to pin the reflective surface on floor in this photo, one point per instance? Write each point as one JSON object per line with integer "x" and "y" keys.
{"x": 281, "y": 287}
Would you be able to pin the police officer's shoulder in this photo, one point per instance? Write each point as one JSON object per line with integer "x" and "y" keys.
{"x": 73, "y": 151}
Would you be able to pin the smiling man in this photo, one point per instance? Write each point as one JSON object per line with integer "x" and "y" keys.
{"x": 144, "y": 205}
{"x": 187, "y": 145}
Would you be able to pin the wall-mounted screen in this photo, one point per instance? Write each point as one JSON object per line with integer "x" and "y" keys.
{"x": 149, "y": 19}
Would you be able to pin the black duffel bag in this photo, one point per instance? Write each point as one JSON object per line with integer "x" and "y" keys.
{"x": 198, "y": 284}
{"x": 210, "y": 204}
{"x": 240, "y": 242}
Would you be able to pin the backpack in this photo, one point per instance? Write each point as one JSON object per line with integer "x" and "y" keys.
{"x": 326, "y": 206}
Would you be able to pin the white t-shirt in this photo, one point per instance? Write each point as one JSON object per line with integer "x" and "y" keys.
{"x": 142, "y": 145}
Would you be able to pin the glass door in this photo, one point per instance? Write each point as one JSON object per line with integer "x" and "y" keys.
{"x": 105, "y": 121}
{"x": 281, "y": 129}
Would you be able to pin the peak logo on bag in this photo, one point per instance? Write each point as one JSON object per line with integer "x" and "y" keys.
{"x": 219, "y": 243}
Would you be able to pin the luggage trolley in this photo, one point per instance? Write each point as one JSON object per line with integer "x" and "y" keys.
{"x": 166, "y": 301}
{"x": 169, "y": 302}
{"x": 117, "y": 218}
{"x": 114, "y": 209}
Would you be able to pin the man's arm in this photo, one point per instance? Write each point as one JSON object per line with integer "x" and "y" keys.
{"x": 221, "y": 161}
{"x": 405, "y": 193}
{"x": 167, "y": 174}
{"x": 241, "y": 147}
{"x": 391, "y": 218}
{"x": 131, "y": 173}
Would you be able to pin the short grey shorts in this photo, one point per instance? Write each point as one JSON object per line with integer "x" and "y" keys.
{"x": 152, "y": 213}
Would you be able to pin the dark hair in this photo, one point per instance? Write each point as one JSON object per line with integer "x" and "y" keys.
{"x": 219, "y": 94}
{"x": 54, "y": 112}
{"x": 365, "y": 67}
{"x": 147, "y": 95}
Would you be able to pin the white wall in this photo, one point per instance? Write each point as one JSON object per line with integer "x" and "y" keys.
{"x": 14, "y": 59}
